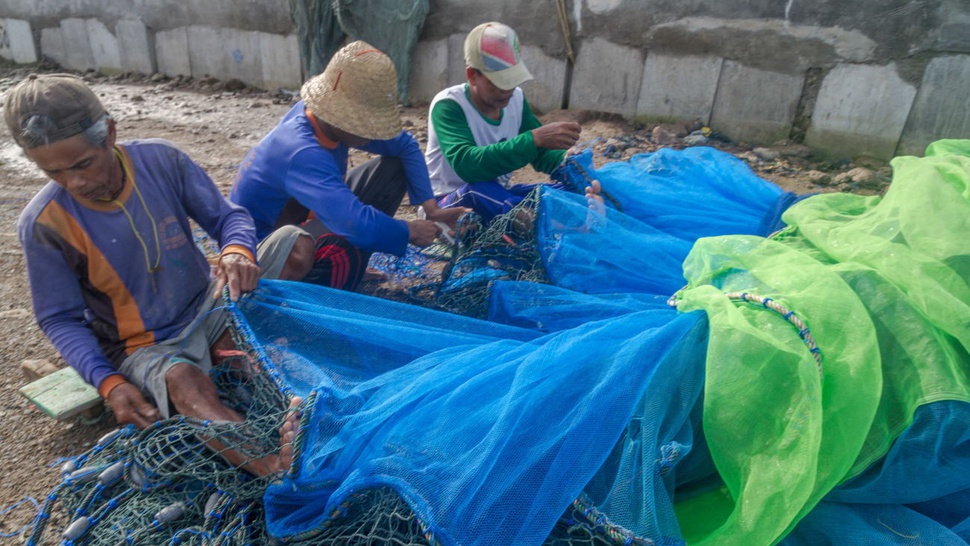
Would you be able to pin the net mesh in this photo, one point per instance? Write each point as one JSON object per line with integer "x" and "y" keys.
{"x": 803, "y": 387}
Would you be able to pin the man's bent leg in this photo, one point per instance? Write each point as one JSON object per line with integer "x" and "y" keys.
{"x": 286, "y": 253}
{"x": 336, "y": 262}
{"x": 487, "y": 199}
{"x": 193, "y": 394}
{"x": 380, "y": 183}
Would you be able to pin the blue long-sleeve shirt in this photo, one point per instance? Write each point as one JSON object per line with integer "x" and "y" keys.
{"x": 294, "y": 161}
{"x": 96, "y": 290}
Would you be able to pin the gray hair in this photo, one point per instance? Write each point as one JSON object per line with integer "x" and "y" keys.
{"x": 38, "y": 129}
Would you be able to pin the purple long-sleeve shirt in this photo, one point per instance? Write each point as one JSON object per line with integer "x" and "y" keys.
{"x": 96, "y": 290}
{"x": 292, "y": 162}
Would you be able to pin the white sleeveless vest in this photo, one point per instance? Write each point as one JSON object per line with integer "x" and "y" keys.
{"x": 444, "y": 180}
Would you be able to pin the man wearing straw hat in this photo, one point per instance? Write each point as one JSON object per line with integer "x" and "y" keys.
{"x": 117, "y": 283}
{"x": 480, "y": 131}
{"x": 296, "y": 185}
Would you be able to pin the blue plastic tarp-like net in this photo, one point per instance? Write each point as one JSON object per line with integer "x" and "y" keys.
{"x": 686, "y": 374}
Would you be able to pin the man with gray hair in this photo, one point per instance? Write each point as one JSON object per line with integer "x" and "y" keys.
{"x": 117, "y": 282}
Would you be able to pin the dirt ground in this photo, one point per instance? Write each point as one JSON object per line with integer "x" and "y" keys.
{"x": 217, "y": 123}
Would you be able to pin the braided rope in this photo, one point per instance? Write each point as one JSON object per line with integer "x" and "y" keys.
{"x": 600, "y": 522}
{"x": 803, "y": 332}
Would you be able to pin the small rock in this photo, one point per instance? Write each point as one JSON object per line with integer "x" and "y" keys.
{"x": 862, "y": 175}
{"x": 750, "y": 157}
{"x": 799, "y": 151}
{"x": 869, "y": 162}
{"x": 818, "y": 178}
{"x": 35, "y": 369}
{"x": 767, "y": 154}
{"x": 234, "y": 84}
{"x": 663, "y": 136}
{"x": 696, "y": 139}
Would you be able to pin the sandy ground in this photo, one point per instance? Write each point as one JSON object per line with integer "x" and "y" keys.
{"x": 217, "y": 123}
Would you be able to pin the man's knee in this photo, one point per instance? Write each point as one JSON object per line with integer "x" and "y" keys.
{"x": 188, "y": 385}
{"x": 286, "y": 254}
{"x": 300, "y": 260}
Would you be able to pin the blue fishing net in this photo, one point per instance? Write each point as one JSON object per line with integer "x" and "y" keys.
{"x": 655, "y": 373}
{"x": 446, "y": 429}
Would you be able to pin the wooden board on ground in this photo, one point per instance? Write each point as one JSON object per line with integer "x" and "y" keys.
{"x": 62, "y": 394}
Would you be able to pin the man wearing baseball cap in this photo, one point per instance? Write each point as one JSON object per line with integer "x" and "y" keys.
{"x": 296, "y": 185}
{"x": 117, "y": 282}
{"x": 480, "y": 131}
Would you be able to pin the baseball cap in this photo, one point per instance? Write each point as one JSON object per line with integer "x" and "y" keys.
{"x": 493, "y": 49}
{"x": 63, "y": 98}
{"x": 357, "y": 93}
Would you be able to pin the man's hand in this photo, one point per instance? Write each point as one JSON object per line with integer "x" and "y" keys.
{"x": 560, "y": 135}
{"x": 130, "y": 407}
{"x": 448, "y": 216}
{"x": 422, "y": 232}
{"x": 237, "y": 271}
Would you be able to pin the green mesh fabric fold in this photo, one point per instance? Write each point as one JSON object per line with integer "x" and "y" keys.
{"x": 881, "y": 284}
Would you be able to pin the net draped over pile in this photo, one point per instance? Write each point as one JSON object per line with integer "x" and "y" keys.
{"x": 675, "y": 369}
{"x": 489, "y": 442}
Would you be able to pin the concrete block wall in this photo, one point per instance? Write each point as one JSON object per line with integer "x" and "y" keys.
{"x": 262, "y": 59}
{"x": 847, "y": 77}
{"x": 16, "y": 41}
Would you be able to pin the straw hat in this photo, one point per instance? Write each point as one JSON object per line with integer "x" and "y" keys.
{"x": 357, "y": 93}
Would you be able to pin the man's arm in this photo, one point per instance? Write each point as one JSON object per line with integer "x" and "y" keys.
{"x": 59, "y": 309}
{"x": 226, "y": 222}
{"x": 551, "y": 140}
{"x": 222, "y": 219}
{"x": 407, "y": 149}
{"x": 317, "y": 183}
{"x": 475, "y": 163}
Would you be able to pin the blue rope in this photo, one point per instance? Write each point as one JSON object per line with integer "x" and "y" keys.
{"x": 14, "y": 507}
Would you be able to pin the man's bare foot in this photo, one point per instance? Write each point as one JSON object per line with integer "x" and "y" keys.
{"x": 596, "y": 207}
{"x": 288, "y": 433}
{"x": 594, "y": 194}
{"x": 522, "y": 222}
{"x": 277, "y": 463}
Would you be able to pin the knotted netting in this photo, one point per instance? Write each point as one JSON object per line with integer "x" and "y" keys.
{"x": 662, "y": 201}
{"x": 806, "y": 387}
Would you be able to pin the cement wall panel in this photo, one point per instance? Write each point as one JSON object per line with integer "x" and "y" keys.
{"x": 677, "y": 87}
{"x": 861, "y": 108}
{"x": 17, "y": 41}
{"x": 104, "y": 47}
{"x": 942, "y": 106}
{"x": 224, "y": 53}
{"x": 456, "y": 59}
{"x": 52, "y": 44}
{"x": 136, "y": 48}
{"x": 606, "y": 77}
{"x": 429, "y": 69}
{"x": 545, "y": 91}
{"x": 77, "y": 44}
{"x": 280, "y": 61}
{"x": 755, "y": 105}
{"x": 172, "y": 52}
